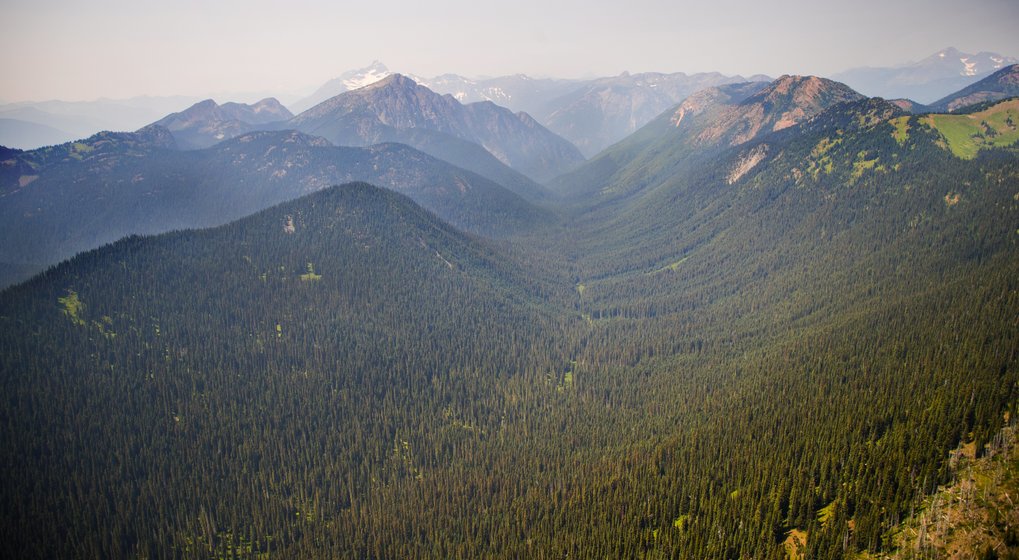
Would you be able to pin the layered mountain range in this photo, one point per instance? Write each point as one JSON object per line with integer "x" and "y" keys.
{"x": 592, "y": 113}
{"x": 29, "y": 125}
{"x": 606, "y": 110}
{"x": 206, "y": 122}
{"x": 705, "y": 123}
{"x": 1000, "y": 85}
{"x": 770, "y": 323}
{"x": 508, "y": 148}
{"x": 399, "y": 110}
{"x": 62, "y": 200}
{"x": 927, "y": 80}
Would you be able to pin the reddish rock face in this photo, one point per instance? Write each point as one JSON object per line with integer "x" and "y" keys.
{"x": 733, "y": 116}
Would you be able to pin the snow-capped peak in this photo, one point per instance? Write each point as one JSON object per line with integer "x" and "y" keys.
{"x": 366, "y": 76}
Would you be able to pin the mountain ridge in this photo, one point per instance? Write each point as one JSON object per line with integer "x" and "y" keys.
{"x": 61, "y": 200}
{"x": 926, "y": 80}
{"x": 205, "y": 123}
{"x": 704, "y": 123}
{"x": 999, "y": 85}
{"x": 347, "y": 81}
{"x": 386, "y": 109}
{"x": 607, "y": 110}
{"x": 590, "y": 113}
{"x": 762, "y": 325}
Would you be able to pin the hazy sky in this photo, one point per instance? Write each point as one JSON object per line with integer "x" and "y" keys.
{"x": 79, "y": 50}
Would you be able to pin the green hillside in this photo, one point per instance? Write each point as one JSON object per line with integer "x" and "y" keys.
{"x": 770, "y": 293}
{"x": 206, "y": 380}
{"x": 759, "y": 349}
{"x": 698, "y": 129}
{"x": 997, "y": 126}
{"x": 61, "y": 200}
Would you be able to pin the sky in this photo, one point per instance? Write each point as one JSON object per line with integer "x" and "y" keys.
{"x": 75, "y": 50}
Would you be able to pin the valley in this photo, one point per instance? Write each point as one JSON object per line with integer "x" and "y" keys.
{"x": 761, "y": 326}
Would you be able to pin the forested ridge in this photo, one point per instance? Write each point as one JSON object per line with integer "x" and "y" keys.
{"x": 60, "y": 200}
{"x": 717, "y": 364}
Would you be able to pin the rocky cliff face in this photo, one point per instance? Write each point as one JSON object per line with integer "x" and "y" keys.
{"x": 785, "y": 102}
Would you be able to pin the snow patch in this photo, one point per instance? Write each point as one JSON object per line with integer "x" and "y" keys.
{"x": 366, "y": 79}
{"x": 970, "y": 67}
{"x": 496, "y": 94}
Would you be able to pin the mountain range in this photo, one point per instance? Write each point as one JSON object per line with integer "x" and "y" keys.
{"x": 348, "y": 81}
{"x": 483, "y": 138}
{"x": 591, "y": 113}
{"x": 155, "y": 189}
{"x": 776, "y": 321}
{"x": 30, "y": 125}
{"x": 927, "y": 80}
{"x": 517, "y": 92}
{"x": 386, "y": 110}
{"x": 1000, "y": 85}
{"x": 606, "y": 110}
{"x": 709, "y": 121}
{"x": 58, "y": 201}
{"x": 206, "y": 122}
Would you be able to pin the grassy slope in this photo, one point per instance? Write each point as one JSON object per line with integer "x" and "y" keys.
{"x": 996, "y": 126}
